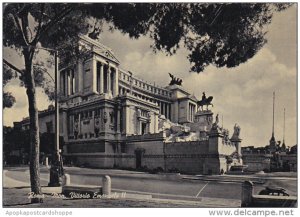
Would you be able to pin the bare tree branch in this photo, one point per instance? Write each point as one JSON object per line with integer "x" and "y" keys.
{"x": 45, "y": 28}
{"x": 35, "y": 40}
{"x": 20, "y": 29}
{"x": 13, "y": 67}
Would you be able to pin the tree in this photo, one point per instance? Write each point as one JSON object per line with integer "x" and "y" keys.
{"x": 218, "y": 34}
{"x": 8, "y": 99}
{"x": 26, "y": 25}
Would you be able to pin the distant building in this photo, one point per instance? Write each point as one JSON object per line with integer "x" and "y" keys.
{"x": 266, "y": 159}
{"x": 111, "y": 118}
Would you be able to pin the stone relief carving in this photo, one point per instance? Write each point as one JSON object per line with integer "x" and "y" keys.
{"x": 97, "y": 126}
{"x": 209, "y": 120}
{"x": 111, "y": 115}
{"x": 104, "y": 117}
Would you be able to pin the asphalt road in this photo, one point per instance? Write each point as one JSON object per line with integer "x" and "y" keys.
{"x": 143, "y": 183}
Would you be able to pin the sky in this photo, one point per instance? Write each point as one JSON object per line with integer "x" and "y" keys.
{"x": 242, "y": 95}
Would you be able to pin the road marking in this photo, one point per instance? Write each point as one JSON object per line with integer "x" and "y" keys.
{"x": 202, "y": 189}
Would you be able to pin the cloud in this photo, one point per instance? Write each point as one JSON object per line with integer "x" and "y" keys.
{"x": 155, "y": 67}
{"x": 243, "y": 95}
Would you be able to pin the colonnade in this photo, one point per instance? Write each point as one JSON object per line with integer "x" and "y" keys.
{"x": 67, "y": 80}
{"x": 165, "y": 109}
{"x": 191, "y": 112}
{"x": 105, "y": 78}
{"x": 96, "y": 76}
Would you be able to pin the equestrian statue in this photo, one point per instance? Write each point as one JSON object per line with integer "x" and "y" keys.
{"x": 205, "y": 101}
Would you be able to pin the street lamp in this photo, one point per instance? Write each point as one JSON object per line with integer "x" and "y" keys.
{"x": 56, "y": 169}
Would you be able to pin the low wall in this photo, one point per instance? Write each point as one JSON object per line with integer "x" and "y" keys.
{"x": 248, "y": 199}
{"x": 257, "y": 162}
{"x": 187, "y": 157}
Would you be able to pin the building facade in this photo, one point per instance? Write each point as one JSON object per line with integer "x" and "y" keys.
{"x": 111, "y": 118}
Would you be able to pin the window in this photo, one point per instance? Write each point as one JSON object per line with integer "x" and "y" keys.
{"x": 144, "y": 126}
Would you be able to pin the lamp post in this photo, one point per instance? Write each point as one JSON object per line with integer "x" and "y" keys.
{"x": 56, "y": 166}
{"x": 56, "y": 169}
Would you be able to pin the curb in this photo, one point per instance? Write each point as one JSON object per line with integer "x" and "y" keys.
{"x": 261, "y": 181}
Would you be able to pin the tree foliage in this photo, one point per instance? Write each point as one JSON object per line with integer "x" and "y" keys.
{"x": 8, "y": 99}
{"x": 222, "y": 34}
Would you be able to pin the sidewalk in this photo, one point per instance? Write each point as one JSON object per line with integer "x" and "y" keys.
{"x": 15, "y": 197}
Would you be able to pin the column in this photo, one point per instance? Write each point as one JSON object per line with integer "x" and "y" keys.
{"x": 71, "y": 81}
{"x": 166, "y": 110}
{"x": 94, "y": 74}
{"x": 190, "y": 112}
{"x": 126, "y": 117}
{"x": 79, "y": 75}
{"x": 155, "y": 123}
{"x": 190, "y": 107}
{"x": 79, "y": 123}
{"x": 101, "y": 82}
{"x": 118, "y": 121}
{"x": 98, "y": 78}
{"x": 116, "y": 82}
{"x": 66, "y": 82}
{"x": 62, "y": 84}
{"x": 108, "y": 80}
{"x": 170, "y": 113}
